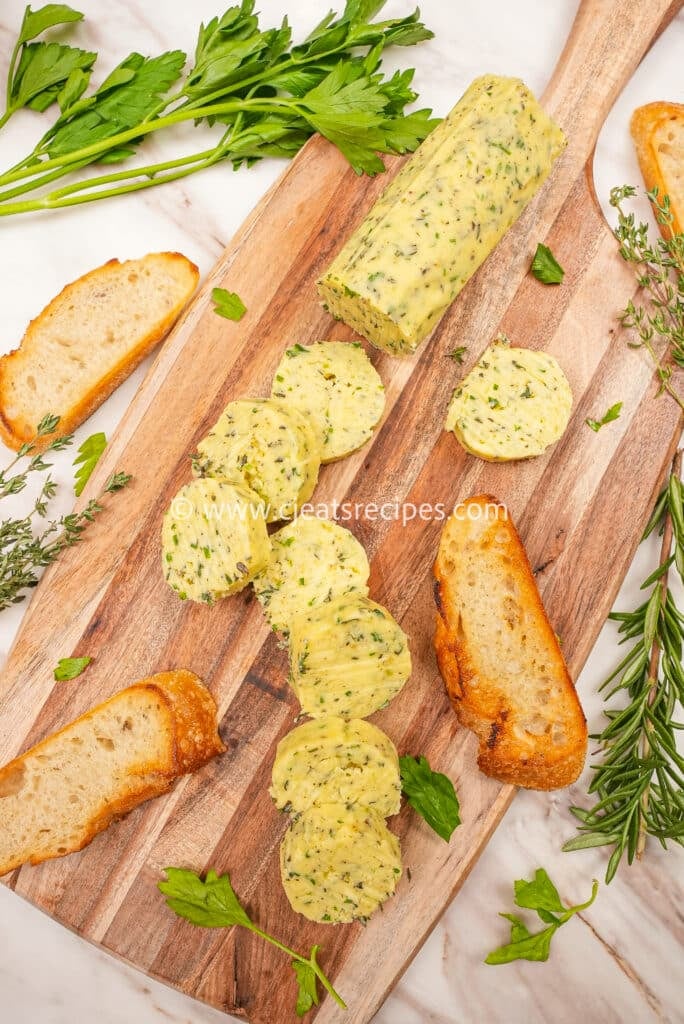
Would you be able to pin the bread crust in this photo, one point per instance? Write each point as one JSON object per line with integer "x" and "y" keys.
{"x": 489, "y": 706}
{"x": 16, "y": 432}
{"x": 190, "y": 719}
{"x": 644, "y": 124}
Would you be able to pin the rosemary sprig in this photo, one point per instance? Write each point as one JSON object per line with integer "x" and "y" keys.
{"x": 659, "y": 325}
{"x": 24, "y": 552}
{"x": 639, "y": 783}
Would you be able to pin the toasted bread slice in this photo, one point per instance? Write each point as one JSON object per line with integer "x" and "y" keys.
{"x": 55, "y": 798}
{"x": 498, "y": 655}
{"x": 658, "y": 133}
{"x": 88, "y": 340}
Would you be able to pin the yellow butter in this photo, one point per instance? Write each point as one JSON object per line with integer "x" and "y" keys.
{"x": 442, "y": 215}
{"x": 214, "y": 540}
{"x": 267, "y": 445}
{"x": 335, "y": 385}
{"x": 513, "y": 404}
{"x": 339, "y": 863}
{"x": 348, "y": 658}
{"x": 334, "y": 760}
{"x": 313, "y": 561}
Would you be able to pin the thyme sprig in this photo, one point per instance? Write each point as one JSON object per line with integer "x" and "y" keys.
{"x": 25, "y": 550}
{"x": 639, "y": 782}
{"x": 658, "y": 325}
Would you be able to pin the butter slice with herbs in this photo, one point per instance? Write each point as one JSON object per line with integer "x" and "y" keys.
{"x": 333, "y": 760}
{"x": 348, "y": 658}
{"x": 313, "y": 562}
{"x": 214, "y": 540}
{"x": 267, "y": 445}
{"x": 513, "y": 404}
{"x": 336, "y": 386}
{"x": 439, "y": 219}
{"x": 339, "y": 863}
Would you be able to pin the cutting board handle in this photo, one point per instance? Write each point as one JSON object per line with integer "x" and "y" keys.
{"x": 607, "y": 41}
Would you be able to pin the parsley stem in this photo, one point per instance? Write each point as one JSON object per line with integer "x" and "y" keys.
{"x": 258, "y": 106}
{"x": 312, "y": 962}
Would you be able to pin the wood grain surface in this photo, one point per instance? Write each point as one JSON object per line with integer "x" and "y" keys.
{"x": 580, "y": 509}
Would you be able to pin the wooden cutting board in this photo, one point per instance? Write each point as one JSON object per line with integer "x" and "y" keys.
{"x": 580, "y": 509}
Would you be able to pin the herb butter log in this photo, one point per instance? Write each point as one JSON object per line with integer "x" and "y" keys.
{"x": 442, "y": 215}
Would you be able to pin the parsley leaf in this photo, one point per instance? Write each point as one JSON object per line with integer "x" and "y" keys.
{"x": 38, "y": 71}
{"x": 612, "y": 414}
{"x": 546, "y": 267}
{"x": 70, "y": 668}
{"x": 458, "y": 354}
{"x": 126, "y": 97}
{"x": 541, "y": 895}
{"x": 228, "y": 304}
{"x": 212, "y": 903}
{"x": 307, "y": 994}
{"x": 88, "y": 456}
{"x": 431, "y": 794}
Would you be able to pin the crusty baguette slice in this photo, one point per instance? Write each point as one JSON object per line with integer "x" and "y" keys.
{"x": 658, "y": 133}
{"x": 55, "y": 798}
{"x": 498, "y": 655}
{"x": 88, "y": 340}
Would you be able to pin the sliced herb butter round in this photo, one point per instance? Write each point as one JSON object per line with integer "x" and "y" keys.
{"x": 334, "y": 760}
{"x": 339, "y": 863}
{"x": 267, "y": 445}
{"x": 335, "y": 384}
{"x": 214, "y": 540}
{"x": 313, "y": 561}
{"x": 513, "y": 404}
{"x": 348, "y": 658}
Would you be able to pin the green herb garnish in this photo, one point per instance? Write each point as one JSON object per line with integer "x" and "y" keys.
{"x": 70, "y": 668}
{"x": 431, "y": 794}
{"x": 541, "y": 895}
{"x": 212, "y": 903}
{"x": 639, "y": 781}
{"x": 264, "y": 95}
{"x": 458, "y": 354}
{"x": 658, "y": 325}
{"x": 545, "y": 267}
{"x": 228, "y": 304}
{"x": 25, "y": 551}
{"x": 40, "y": 73}
{"x": 88, "y": 456}
{"x": 612, "y": 414}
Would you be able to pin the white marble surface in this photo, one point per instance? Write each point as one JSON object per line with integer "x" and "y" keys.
{"x": 622, "y": 959}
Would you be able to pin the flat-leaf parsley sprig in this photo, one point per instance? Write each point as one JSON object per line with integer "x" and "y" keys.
{"x": 540, "y": 895}
{"x": 26, "y": 550}
{"x": 267, "y": 95}
{"x": 212, "y": 903}
{"x": 657, "y": 326}
{"x": 639, "y": 781}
